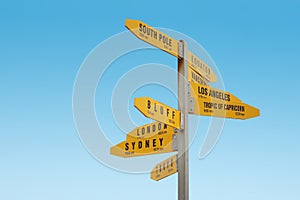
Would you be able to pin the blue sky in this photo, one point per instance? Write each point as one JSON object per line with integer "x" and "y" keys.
{"x": 255, "y": 45}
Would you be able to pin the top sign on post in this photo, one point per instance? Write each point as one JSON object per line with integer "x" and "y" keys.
{"x": 153, "y": 36}
{"x": 168, "y": 44}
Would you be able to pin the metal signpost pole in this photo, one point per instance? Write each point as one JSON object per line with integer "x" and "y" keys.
{"x": 183, "y": 162}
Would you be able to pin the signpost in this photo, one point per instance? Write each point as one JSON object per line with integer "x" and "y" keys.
{"x": 164, "y": 168}
{"x": 170, "y": 131}
{"x": 158, "y": 111}
{"x": 183, "y": 138}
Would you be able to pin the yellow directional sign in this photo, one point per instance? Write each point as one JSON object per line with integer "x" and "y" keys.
{"x": 150, "y": 130}
{"x": 152, "y": 36}
{"x": 205, "y": 92}
{"x": 202, "y": 68}
{"x": 195, "y": 77}
{"x": 220, "y": 108}
{"x": 158, "y": 111}
{"x": 144, "y": 146}
{"x": 168, "y": 44}
{"x": 164, "y": 168}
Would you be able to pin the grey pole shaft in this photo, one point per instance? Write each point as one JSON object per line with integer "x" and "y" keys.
{"x": 183, "y": 162}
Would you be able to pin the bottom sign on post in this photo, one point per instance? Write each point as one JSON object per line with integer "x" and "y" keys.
{"x": 164, "y": 168}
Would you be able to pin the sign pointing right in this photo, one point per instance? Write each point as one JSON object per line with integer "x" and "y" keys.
{"x": 219, "y": 108}
{"x": 206, "y": 92}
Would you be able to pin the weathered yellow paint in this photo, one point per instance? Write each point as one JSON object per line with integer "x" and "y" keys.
{"x": 153, "y": 36}
{"x": 143, "y": 146}
{"x": 168, "y": 44}
{"x": 205, "y": 92}
{"x": 202, "y": 68}
{"x": 195, "y": 77}
{"x": 220, "y": 108}
{"x": 158, "y": 111}
{"x": 164, "y": 168}
{"x": 150, "y": 130}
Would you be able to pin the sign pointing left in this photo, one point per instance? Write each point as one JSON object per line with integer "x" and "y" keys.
{"x": 145, "y": 146}
{"x": 164, "y": 168}
{"x": 168, "y": 44}
{"x": 153, "y": 36}
{"x": 150, "y": 130}
{"x": 158, "y": 111}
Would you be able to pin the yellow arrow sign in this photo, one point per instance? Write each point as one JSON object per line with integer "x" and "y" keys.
{"x": 220, "y": 108}
{"x": 202, "y": 68}
{"x": 206, "y": 92}
{"x": 168, "y": 44}
{"x": 150, "y": 130}
{"x": 164, "y": 168}
{"x": 152, "y": 36}
{"x": 158, "y": 111}
{"x": 195, "y": 77}
{"x": 144, "y": 146}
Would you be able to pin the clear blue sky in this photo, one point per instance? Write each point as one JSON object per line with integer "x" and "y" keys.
{"x": 255, "y": 44}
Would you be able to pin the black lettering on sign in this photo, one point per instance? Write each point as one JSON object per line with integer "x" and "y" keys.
{"x": 140, "y": 144}
{"x": 234, "y": 108}
{"x": 147, "y": 144}
{"x": 200, "y": 65}
{"x": 165, "y": 40}
{"x": 165, "y": 126}
{"x": 148, "y": 129}
{"x": 153, "y": 128}
{"x": 161, "y": 141}
{"x": 173, "y": 114}
{"x": 202, "y": 90}
{"x": 133, "y": 143}
{"x": 154, "y": 143}
{"x": 161, "y": 110}
{"x": 220, "y": 106}
{"x": 197, "y": 78}
{"x": 210, "y": 105}
{"x": 147, "y": 31}
{"x": 126, "y": 146}
{"x": 159, "y": 126}
{"x": 227, "y": 97}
